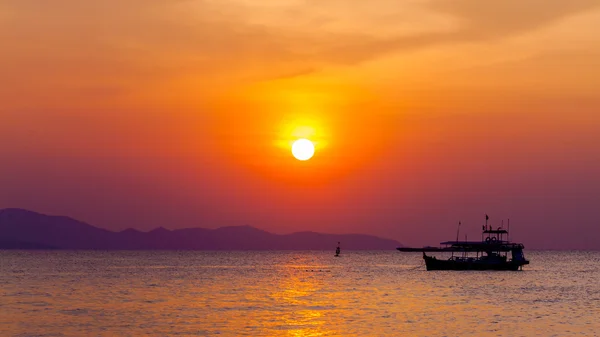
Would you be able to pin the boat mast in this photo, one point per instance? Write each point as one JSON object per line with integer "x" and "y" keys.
{"x": 457, "y": 231}
{"x": 485, "y": 228}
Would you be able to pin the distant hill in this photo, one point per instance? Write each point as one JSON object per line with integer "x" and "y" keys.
{"x": 22, "y": 229}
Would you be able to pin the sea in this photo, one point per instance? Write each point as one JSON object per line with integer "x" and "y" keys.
{"x": 292, "y": 293}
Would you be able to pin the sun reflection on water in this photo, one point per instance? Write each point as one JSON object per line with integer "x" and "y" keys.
{"x": 300, "y": 296}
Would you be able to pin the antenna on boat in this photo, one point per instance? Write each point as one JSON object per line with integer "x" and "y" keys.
{"x": 508, "y": 231}
{"x": 485, "y": 228}
{"x": 457, "y": 231}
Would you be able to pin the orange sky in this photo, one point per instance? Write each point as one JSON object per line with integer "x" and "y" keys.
{"x": 146, "y": 113}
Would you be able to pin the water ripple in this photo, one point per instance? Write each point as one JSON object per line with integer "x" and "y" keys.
{"x": 291, "y": 294}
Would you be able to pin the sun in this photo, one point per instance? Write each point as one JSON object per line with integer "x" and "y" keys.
{"x": 303, "y": 149}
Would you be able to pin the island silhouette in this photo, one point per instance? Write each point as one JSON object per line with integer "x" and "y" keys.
{"x": 23, "y": 229}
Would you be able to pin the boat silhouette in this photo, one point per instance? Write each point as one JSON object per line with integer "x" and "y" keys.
{"x": 491, "y": 253}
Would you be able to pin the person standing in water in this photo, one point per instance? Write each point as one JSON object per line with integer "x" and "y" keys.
{"x": 337, "y": 250}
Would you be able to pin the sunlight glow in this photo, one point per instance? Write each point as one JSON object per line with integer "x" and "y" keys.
{"x": 303, "y": 149}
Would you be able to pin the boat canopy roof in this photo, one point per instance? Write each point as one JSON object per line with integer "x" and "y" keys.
{"x": 494, "y": 242}
{"x": 495, "y": 231}
{"x": 468, "y": 246}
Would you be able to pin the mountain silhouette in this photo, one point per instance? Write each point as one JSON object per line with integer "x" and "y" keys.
{"x": 22, "y": 229}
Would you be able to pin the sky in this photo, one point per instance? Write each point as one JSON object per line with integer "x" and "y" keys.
{"x": 424, "y": 113}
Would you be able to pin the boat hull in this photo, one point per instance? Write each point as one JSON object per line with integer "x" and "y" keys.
{"x": 433, "y": 263}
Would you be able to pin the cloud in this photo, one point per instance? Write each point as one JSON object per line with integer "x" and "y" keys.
{"x": 479, "y": 21}
{"x": 106, "y": 42}
{"x": 489, "y": 19}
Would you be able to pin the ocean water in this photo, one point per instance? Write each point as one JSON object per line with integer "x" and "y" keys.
{"x": 63, "y": 293}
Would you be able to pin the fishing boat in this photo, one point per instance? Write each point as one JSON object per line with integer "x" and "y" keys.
{"x": 491, "y": 253}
